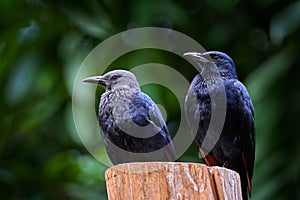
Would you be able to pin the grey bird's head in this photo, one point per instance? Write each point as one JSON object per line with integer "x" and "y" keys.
{"x": 222, "y": 61}
{"x": 116, "y": 79}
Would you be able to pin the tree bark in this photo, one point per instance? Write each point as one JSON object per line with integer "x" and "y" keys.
{"x": 171, "y": 180}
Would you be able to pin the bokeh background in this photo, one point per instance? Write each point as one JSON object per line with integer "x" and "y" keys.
{"x": 43, "y": 42}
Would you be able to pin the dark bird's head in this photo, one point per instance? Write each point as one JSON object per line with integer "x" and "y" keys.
{"x": 116, "y": 79}
{"x": 225, "y": 65}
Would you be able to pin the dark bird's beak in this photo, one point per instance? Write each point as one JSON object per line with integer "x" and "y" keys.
{"x": 95, "y": 79}
{"x": 197, "y": 57}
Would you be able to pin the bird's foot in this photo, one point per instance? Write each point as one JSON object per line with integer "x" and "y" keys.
{"x": 226, "y": 164}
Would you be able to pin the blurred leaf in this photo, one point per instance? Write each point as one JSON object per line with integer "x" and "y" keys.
{"x": 94, "y": 24}
{"x": 266, "y": 75}
{"x": 21, "y": 79}
{"x": 29, "y": 33}
{"x": 285, "y": 22}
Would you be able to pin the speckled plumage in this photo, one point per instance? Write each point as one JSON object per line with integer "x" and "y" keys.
{"x": 131, "y": 123}
{"x": 235, "y": 149}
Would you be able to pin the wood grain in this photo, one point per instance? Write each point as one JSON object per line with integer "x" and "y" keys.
{"x": 171, "y": 180}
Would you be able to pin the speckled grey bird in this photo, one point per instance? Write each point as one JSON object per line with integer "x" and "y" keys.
{"x": 132, "y": 126}
{"x": 234, "y": 145}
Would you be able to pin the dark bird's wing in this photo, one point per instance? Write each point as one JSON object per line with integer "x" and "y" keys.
{"x": 146, "y": 114}
{"x": 246, "y": 129}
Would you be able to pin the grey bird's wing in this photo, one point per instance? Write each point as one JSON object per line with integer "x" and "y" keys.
{"x": 146, "y": 114}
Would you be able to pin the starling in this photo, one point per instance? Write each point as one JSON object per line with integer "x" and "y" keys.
{"x": 132, "y": 126}
{"x": 235, "y": 147}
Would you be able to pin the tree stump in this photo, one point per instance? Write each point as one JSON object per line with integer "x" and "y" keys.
{"x": 171, "y": 180}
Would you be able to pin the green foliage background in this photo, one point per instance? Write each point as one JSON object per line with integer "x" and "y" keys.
{"x": 43, "y": 42}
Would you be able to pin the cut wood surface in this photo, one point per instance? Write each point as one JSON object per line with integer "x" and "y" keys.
{"x": 171, "y": 180}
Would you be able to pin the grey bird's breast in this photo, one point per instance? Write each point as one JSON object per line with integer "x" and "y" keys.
{"x": 118, "y": 102}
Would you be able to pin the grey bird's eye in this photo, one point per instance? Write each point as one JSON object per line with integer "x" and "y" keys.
{"x": 114, "y": 77}
{"x": 215, "y": 57}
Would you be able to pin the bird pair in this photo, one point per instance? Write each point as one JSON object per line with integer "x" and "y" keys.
{"x": 133, "y": 128}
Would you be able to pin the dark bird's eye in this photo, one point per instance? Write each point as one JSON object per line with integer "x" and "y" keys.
{"x": 215, "y": 57}
{"x": 114, "y": 77}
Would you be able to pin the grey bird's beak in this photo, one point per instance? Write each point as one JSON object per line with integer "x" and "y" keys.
{"x": 95, "y": 79}
{"x": 198, "y": 57}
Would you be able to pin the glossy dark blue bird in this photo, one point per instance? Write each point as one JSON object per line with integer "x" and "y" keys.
{"x": 132, "y": 126}
{"x": 234, "y": 148}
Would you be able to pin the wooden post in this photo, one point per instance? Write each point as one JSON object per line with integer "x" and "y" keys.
{"x": 171, "y": 180}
